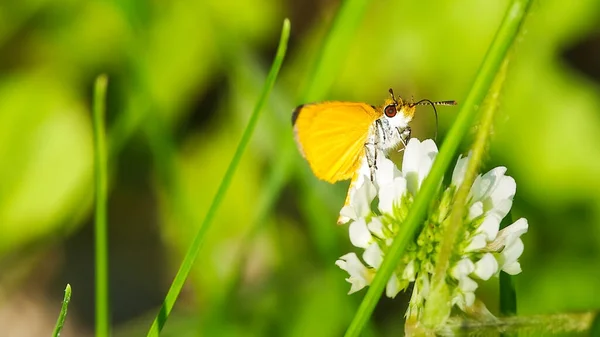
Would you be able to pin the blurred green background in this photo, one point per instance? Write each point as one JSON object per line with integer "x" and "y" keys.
{"x": 184, "y": 77}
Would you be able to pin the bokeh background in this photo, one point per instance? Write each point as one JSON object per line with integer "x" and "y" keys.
{"x": 184, "y": 77}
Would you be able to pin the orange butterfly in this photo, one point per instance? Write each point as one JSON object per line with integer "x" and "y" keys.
{"x": 335, "y": 137}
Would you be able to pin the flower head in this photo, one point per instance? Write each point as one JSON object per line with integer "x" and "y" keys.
{"x": 484, "y": 250}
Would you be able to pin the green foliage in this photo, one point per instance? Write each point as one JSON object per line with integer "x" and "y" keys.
{"x": 184, "y": 79}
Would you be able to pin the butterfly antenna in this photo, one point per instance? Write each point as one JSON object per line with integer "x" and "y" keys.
{"x": 393, "y": 97}
{"x": 433, "y": 104}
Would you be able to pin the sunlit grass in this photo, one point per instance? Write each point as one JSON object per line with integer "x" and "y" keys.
{"x": 196, "y": 244}
{"x": 60, "y": 322}
{"x": 100, "y": 223}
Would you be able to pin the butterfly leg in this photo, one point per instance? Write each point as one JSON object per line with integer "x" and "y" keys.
{"x": 371, "y": 150}
{"x": 404, "y": 136}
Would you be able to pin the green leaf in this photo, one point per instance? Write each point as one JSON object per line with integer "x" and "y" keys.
{"x": 60, "y": 322}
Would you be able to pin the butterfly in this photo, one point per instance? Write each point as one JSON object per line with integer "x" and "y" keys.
{"x": 336, "y": 137}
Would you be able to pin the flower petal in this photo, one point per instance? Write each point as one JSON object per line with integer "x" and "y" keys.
{"x": 417, "y": 161}
{"x": 489, "y": 227}
{"x": 485, "y": 185}
{"x": 359, "y": 233}
{"x": 508, "y": 235}
{"x": 376, "y": 228}
{"x": 373, "y": 255}
{"x": 393, "y": 287}
{"x": 409, "y": 272}
{"x": 386, "y": 171}
{"x": 462, "y": 268}
{"x": 360, "y": 195}
{"x": 486, "y": 267}
{"x": 511, "y": 253}
{"x": 458, "y": 175}
{"x": 477, "y": 242}
{"x": 475, "y": 210}
{"x": 357, "y": 271}
{"x": 391, "y": 194}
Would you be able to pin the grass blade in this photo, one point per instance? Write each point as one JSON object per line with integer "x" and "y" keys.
{"x": 491, "y": 64}
{"x": 60, "y": 322}
{"x": 100, "y": 227}
{"x": 194, "y": 249}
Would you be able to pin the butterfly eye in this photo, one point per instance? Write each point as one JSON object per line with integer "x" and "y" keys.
{"x": 390, "y": 110}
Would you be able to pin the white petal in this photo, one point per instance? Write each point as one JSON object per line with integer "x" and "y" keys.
{"x": 467, "y": 284}
{"x": 417, "y": 161}
{"x": 511, "y": 253}
{"x": 484, "y": 185}
{"x": 486, "y": 267}
{"x": 469, "y": 299}
{"x": 376, "y": 227}
{"x": 391, "y": 194}
{"x": 514, "y": 231}
{"x": 458, "y": 175}
{"x": 489, "y": 227}
{"x": 359, "y": 233}
{"x": 373, "y": 255}
{"x": 462, "y": 268}
{"x": 475, "y": 210}
{"x": 508, "y": 235}
{"x": 409, "y": 272}
{"x": 386, "y": 170}
{"x": 505, "y": 189}
{"x": 393, "y": 287}
{"x": 357, "y": 271}
{"x": 363, "y": 197}
{"x": 477, "y": 242}
{"x": 360, "y": 196}
{"x": 513, "y": 268}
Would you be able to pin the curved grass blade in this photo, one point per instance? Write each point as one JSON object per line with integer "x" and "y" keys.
{"x": 491, "y": 64}
{"x": 435, "y": 310}
{"x": 60, "y": 322}
{"x": 100, "y": 224}
{"x": 194, "y": 249}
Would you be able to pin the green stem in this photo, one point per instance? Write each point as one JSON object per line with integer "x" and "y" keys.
{"x": 60, "y": 322}
{"x": 194, "y": 248}
{"x": 101, "y": 227}
{"x": 538, "y": 325}
{"x": 485, "y": 76}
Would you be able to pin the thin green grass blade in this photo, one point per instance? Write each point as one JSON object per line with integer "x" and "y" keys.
{"x": 435, "y": 308}
{"x": 491, "y": 64}
{"x": 100, "y": 223}
{"x": 60, "y": 322}
{"x": 340, "y": 35}
{"x": 194, "y": 249}
{"x": 339, "y": 38}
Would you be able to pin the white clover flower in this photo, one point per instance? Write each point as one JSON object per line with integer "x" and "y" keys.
{"x": 484, "y": 250}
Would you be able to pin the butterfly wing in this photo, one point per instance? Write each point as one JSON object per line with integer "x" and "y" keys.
{"x": 332, "y": 135}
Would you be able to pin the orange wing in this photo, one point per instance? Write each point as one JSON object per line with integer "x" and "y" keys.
{"x": 332, "y": 135}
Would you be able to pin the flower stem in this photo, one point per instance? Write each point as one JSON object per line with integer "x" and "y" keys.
{"x": 537, "y": 325}
{"x": 60, "y": 322}
{"x": 487, "y": 72}
{"x": 101, "y": 226}
{"x": 194, "y": 249}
